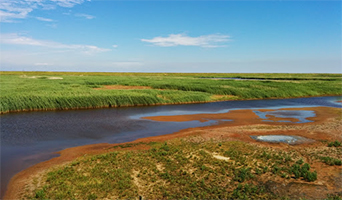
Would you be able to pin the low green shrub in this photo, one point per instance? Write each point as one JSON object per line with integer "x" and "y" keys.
{"x": 243, "y": 174}
{"x": 330, "y": 161}
{"x": 303, "y": 172}
{"x": 334, "y": 144}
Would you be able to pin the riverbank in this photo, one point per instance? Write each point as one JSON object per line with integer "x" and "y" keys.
{"x": 216, "y": 139}
{"x": 38, "y": 91}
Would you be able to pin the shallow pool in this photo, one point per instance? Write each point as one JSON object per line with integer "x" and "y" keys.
{"x": 288, "y": 139}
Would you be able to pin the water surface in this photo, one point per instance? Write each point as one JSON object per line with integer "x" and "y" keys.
{"x": 300, "y": 115}
{"x": 288, "y": 139}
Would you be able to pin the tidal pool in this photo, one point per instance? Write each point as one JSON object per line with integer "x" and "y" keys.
{"x": 288, "y": 139}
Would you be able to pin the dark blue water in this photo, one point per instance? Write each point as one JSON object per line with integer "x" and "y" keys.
{"x": 31, "y": 137}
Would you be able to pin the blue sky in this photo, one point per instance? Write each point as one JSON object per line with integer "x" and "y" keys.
{"x": 171, "y": 36}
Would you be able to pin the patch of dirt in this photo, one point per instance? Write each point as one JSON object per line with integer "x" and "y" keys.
{"x": 327, "y": 126}
{"x": 55, "y": 78}
{"x": 123, "y": 87}
{"x": 160, "y": 167}
{"x": 137, "y": 181}
{"x": 296, "y": 190}
{"x": 220, "y": 157}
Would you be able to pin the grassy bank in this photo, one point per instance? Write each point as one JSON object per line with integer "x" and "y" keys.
{"x": 21, "y": 91}
{"x": 181, "y": 168}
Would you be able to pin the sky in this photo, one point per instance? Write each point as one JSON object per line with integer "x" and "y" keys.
{"x": 283, "y": 36}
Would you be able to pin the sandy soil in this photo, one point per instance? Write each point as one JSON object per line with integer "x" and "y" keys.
{"x": 327, "y": 125}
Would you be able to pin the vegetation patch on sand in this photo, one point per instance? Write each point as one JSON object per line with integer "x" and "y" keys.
{"x": 181, "y": 168}
{"x": 28, "y": 91}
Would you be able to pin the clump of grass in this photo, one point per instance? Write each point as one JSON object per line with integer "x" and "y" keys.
{"x": 334, "y": 197}
{"x": 40, "y": 194}
{"x": 330, "y": 160}
{"x": 248, "y": 191}
{"x": 304, "y": 172}
{"x": 243, "y": 174}
{"x": 334, "y": 144}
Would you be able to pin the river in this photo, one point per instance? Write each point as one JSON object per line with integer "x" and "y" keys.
{"x": 28, "y": 138}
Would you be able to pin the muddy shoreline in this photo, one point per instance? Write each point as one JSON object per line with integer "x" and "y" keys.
{"x": 245, "y": 123}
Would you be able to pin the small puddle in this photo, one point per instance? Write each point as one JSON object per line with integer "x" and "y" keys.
{"x": 288, "y": 139}
{"x": 300, "y": 115}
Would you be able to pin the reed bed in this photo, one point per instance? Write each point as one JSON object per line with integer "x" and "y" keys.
{"x": 27, "y": 91}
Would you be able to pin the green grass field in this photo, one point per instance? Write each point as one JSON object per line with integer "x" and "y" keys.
{"x": 23, "y": 91}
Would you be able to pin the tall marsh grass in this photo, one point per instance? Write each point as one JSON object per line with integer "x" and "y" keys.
{"x": 21, "y": 91}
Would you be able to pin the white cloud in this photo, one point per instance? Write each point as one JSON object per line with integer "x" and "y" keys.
{"x": 85, "y": 16}
{"x": 42, "y": 64}
{"x": 12, "y": 10}
{"x": 115, "y": 46}
{"x": 68, "y": 3}
{"x": 44, "y": 19}
{"x": 67, "y": 13}
{"x": 15, "y": 39}
{"x": 126, "y": 64}
{"x": 52, "y": 25}
{"x": 9, "y": 16}
{"x": 208, "y": 41}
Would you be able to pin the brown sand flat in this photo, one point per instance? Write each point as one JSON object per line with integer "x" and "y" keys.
{"x": 326, "y": 126}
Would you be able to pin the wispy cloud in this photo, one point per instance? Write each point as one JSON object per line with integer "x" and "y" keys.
{"x": 12, "y": 10}
{"x": 115, "y": 46}
{"x": 127, "y": 64}
{"x": 52, "y": 25}
{"x": 208, "y": 41}
{"x": 42, "y": 64}
{"x": 44, "y": 19}
{"x": 85, "y": 16}
{"x": 15, "y": 39}
{"x": 68, "y": 3}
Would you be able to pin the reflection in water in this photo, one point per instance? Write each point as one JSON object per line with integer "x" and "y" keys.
{"x": 31, "y": 137}
{"x": 282, "y": 138}
{"x": 300, "y": 115}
